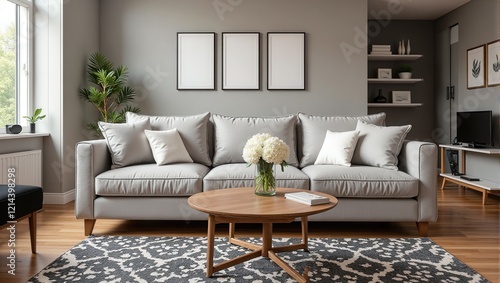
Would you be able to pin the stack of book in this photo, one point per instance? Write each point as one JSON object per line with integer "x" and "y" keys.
{"x": 307, "y": 198}
{"x": 380, "y": 50}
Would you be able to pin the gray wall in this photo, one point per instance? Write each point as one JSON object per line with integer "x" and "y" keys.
{"x": 142, "y": 35}
{"x": 66, "y": 33}
{"x": 479, "y": 23}
{"x": 420, "y": 34}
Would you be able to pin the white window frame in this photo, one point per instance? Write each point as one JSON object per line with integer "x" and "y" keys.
{"x": 28, "y": 109}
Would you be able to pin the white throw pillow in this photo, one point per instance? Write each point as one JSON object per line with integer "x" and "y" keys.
{"x": 379, "y": 146}
{"x": 337, "y": 148}
{"x": 167, "y": 147}
{"x": 127, "y": 143}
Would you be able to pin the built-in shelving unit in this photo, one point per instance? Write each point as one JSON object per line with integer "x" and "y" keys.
{"x": 394, "y": 81}
{"x": 484, "y": 186}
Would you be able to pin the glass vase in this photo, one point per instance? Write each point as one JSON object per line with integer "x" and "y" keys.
{"x": 265, "y": 180}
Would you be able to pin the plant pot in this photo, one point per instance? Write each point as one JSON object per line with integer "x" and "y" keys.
{"x": 405, "y": 75}
{"x": 32, "y": 128}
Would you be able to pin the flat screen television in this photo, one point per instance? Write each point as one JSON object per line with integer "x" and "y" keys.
{"x": 475, "y": 128}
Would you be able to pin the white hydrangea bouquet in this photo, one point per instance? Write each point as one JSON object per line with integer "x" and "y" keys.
{"x": 265, "y": 151}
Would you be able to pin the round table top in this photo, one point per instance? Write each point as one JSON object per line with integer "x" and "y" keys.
{"x": 243, "y": 202}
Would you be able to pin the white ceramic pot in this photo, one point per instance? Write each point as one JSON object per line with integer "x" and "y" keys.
{"x": 405, "y": 75}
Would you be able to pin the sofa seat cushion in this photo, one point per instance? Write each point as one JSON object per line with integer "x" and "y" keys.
{"x": 181, "y": 179}
{"x": 361, "y": 181}
{"x": 237, "y": 175}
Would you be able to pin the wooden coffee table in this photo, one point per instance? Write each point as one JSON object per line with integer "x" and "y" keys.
{"x": 241, "y": 205}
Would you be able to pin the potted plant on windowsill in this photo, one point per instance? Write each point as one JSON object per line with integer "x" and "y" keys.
{"x": 405, "y": 71}
{"x": 33, "y": 118}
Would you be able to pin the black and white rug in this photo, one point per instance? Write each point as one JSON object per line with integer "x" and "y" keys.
{"x": 182, "y": 259}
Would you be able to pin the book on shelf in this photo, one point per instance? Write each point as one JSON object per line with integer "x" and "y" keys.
{"x": 307, "y": 198}
{"x": 380, "y": 53}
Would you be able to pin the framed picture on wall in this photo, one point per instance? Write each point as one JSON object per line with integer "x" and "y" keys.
{"x": 475, "y": 67}
{"x": 241, "y": 60}
{"x": 286, "y": 60}
{"x": 195, "y": 60}
{"x": 493, "y": 63}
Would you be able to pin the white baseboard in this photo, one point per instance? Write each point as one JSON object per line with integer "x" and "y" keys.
{"x": 59, "y": 198}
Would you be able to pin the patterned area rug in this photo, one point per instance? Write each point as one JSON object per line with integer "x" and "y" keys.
{"x": 182, "y": 259}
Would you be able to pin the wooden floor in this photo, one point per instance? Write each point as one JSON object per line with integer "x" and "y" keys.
{"x": 466, "y": 228}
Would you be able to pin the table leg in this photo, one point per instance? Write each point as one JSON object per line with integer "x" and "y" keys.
{"x": 231, "y": 230}
{"x": 305, "y": 232}
{"x": 267, "y": 238}
{"x": 210, "y": 245}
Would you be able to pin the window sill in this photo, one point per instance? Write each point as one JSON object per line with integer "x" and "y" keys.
{"x": 22, "y": 136}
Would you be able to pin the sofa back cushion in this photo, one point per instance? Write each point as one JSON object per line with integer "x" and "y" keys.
{"x": 192, "y": 129}
{"x": 312, "y": 131}
{"x": 127, "y": 143}
{"x": 232, "y": 133}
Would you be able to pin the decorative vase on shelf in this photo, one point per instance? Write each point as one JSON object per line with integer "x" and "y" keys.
{"x": 400, "y": 48}
{"x": 408, "y": 48}
{"x": 380, "y": 98}
{"x": 265, "y": 180}
{"x": 32, "y": 128}
{"x": 403, "y": 51}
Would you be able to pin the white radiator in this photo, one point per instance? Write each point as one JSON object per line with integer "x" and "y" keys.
{"x": 27, "y": 165}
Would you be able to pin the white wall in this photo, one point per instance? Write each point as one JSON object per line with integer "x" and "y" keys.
{"x": 142, "y": 35}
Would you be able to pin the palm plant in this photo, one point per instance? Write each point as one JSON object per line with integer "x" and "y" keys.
{"x": 109, "y": 93}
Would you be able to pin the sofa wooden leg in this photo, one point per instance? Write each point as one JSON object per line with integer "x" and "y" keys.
{"x": 423, "y": 228}
{"x": 32, "y": 224}
{"x": 89, "y": 226}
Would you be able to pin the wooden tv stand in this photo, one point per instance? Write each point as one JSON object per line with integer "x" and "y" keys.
{"x": 484, "y": 186}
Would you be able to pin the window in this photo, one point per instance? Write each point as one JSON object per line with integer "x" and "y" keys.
{"x": 15, "y": 42}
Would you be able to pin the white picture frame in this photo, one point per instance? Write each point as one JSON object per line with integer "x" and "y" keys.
{"x": 475, "y": 67}
{"x": 401, "y": 97}
{"x": 195, "y": 60}
{"x": 286, "y": 60}
{"x": 493, "y": 63}
{"x": 384, "y": 73}
{"x": 241, "y": 60}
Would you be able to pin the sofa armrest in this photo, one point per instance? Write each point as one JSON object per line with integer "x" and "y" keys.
{"x": 92, "y": 158}
{"x": 419, "y": 159}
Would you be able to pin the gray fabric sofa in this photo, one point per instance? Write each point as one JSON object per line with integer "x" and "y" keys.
{"x": 146, "y": 191}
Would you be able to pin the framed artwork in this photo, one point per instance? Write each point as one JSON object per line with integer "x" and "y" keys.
{"x": 493, "y": 63}
{"x": 241, "y": 60}
{"x": 286, "y": 60}
{"x": 195, "y": 60}
{"x": 475, "y": 67}
{"x": 401, "y": 97}
{"x": 384, "y": 73}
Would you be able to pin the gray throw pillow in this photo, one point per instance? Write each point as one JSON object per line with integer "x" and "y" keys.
{"x": 379, "y": 146}
{"x": 312, "y": 131}
{"x": 192, "y": 129}
{"x": 232, "y": 133}
{"x": 127, "y": 143}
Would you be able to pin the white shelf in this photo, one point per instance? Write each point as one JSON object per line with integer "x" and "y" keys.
{"x": 395, "y": 57}
{"x": 472, "y": 149}
{"x": 395, "y": 105}
{"x": 483, "y": 184}
{"x": 393, "y": 81}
